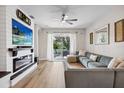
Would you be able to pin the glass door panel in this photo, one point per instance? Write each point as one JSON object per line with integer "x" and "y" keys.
{"x": 61, "y": 45}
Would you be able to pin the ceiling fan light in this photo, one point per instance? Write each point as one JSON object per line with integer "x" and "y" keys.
{"x": 63, "y": 21}
{"x": 66, "y": 16}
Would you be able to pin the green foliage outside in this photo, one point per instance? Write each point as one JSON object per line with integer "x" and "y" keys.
{"x": 61, "y": 43}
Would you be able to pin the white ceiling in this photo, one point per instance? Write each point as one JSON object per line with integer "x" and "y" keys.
{"x": 49, "y": 16}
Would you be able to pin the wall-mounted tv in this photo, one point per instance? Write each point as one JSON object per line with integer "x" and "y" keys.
{"x": 21, "y": 35}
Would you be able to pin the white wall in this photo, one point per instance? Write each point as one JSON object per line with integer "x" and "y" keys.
{"x": 43, "y": 40}
{"x": 114, "y": 49}
{"x": 2, "y": 38}
{"x": 80, "y": 41}
{"x": 36, "y": 30}
{"x": 11, "y": 13}
{"x": 6, "y": 15}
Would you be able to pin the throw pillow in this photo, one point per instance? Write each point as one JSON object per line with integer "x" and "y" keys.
{"x": 121, "y": 65}
{"x": 93, "y": 57}
{"x": 121, "y": 58}
{"x": 81, "y": 53}
{"x": 114, "y": 62}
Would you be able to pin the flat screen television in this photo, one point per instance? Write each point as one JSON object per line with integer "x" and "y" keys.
{"x": 21, "y": 35}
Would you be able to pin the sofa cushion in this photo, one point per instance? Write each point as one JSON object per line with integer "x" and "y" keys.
{"x": 96, "y": 65}
{"x": 87, "y": 54}
{"x": 105, "y": 60}
{"x": 93, "y": 57}
{"x": 84, "y": 61}
{"x": 82, "y": 57}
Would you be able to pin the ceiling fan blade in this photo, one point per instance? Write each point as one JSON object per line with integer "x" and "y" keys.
{"x": 56, "y": 19}
{"x": 72, "y": 20}
{"x": 69, "y": 22}
{"x": 63, "y": 17}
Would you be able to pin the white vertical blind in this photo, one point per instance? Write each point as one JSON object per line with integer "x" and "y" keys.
{"x": 72, "y": 43}
{"x": 50, "y": 52}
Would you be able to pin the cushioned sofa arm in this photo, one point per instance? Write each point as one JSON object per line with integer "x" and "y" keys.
{"x": 91, "y": 69}
{"x": 119, "y": 78}
{"x": 89, "y": 78}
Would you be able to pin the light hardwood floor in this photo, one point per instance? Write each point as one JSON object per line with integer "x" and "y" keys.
{"x": 47, "y": 75}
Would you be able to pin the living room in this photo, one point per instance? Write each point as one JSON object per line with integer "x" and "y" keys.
{"x": 53, "y": 47}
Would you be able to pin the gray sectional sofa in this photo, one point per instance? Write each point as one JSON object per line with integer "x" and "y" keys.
{"x": 101, "y": 61}
{"x": 94, "y": 78}
{"x": 94, "y": 74}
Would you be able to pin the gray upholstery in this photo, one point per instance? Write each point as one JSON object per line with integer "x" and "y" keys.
{"x": 105, "y": 60}
{"x": 98, "y": 58}
{"x": 102, "y": 61}
{"x": 87, "y": 54}
{"x": 85, "y": 61}
{"x": 96, "y": 65}
{"x": 94, "y": 78}
{"x": 81, "y": 58}
{"x": 119, "y": 78}
{"x": 89, "y": 78}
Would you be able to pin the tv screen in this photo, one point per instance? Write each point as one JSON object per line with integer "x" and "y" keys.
{"x": 21, "y": 35}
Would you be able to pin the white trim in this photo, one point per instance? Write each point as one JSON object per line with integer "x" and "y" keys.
{"x": 5, "y": 81}
{"x": 43, "y": 59}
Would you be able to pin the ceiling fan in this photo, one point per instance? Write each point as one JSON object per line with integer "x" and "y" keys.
{"x": 65, "y": 19}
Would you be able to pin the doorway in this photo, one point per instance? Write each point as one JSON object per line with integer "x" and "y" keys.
{"x": 61, "y": 46}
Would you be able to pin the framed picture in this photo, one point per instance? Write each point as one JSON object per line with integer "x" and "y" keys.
{"x": 23, "y": 17}
{"x": 119, "y": 31}
{"x": 91, "y": 38}
{"x": 102, "y": 35}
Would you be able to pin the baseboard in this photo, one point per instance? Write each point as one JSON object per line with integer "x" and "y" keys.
{"x": 42, "y": 59}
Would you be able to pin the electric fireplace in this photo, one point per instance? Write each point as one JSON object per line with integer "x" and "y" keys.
{"x": 21, "y": 62}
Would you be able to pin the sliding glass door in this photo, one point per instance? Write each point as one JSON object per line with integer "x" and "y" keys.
{"x": 61, "y": 46}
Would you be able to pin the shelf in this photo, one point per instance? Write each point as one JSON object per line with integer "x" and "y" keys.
{"x": 22, "y": 55}
{"x": 18, "y": 49}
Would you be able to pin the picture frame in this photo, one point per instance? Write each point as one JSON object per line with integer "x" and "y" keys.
{"x": 91, "y": 38}
{"x": 119, "y": 31}
{"x": 102, "y": 35}
{"x": 23, "y": 17}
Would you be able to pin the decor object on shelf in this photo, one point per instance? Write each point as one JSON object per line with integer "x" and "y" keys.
{"x": 91, "y": 38}
{"x": 119, "y": 31}
{"x": 23, "y": 17}
{"x": 102, "y": 35}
